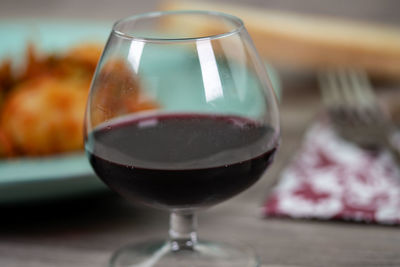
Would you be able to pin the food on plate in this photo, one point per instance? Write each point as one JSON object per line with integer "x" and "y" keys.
{"x": 42, "y": 107}
{"x": 45, "y": 115}
{"x": 6, "y": 148}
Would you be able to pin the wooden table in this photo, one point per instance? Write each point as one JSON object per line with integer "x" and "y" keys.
{"x": 85, "y": 231}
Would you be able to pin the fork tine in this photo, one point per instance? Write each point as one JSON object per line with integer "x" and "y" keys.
{"x": 363, "y": 88}
{"x": 346, "y": 88}
{"x": 331, "y": 96}
{"x": 353, "y": 108}
{"x": 331, "y": 90}
{"x": 371, "y": 111}
{"x": 352, "y": 111}
{"x": 358, "y": 105}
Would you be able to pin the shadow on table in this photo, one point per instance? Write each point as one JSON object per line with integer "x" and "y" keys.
{"x": 91, "y": 213}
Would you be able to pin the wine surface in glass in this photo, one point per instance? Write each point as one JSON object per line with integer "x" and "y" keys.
{"x": 181, "y": 160}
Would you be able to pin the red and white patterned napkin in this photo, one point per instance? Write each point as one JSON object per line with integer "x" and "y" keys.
{"x": 330, "y": 178}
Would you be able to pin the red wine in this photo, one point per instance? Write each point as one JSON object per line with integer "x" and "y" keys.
{"x": 178, "y": 161}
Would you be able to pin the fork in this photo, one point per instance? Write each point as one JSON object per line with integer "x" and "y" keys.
{"x": 353, "y": 108}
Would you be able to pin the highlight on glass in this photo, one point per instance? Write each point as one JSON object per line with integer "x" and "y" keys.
{"x": 181, "y": 116}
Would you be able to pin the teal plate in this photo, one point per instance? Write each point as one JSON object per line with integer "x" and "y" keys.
{"x": 68, "y": 175}
{"x": 30, "y": 179}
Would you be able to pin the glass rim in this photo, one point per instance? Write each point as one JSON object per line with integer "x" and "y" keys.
{"x": 237, "y": 22}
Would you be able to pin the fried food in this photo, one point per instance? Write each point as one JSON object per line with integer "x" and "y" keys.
{"x": 6, "y": 147}
{"x": 86, "y": 55}
{"x": 79, "y": 62}
{"x": 42, "y": 108}
{"x": 44, "y": 116}
{"x": 6, "y": 79}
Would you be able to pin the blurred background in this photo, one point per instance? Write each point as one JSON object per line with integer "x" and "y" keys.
{"x": 297, "y": 39}
{"x": 375, "y": 10}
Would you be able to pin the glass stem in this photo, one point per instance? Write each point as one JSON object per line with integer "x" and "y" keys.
{"x": 182, "y": 231}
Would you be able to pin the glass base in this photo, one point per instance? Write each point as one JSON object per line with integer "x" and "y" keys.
{"x": 204, "y": 254}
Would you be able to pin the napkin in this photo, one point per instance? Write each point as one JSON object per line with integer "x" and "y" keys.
{"x": 330, "y": 178}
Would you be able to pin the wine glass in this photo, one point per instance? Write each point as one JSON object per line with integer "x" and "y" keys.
{"x": 181, "y": 116}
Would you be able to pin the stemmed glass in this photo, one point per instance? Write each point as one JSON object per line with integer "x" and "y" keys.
{"x": 181, "y": 116}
